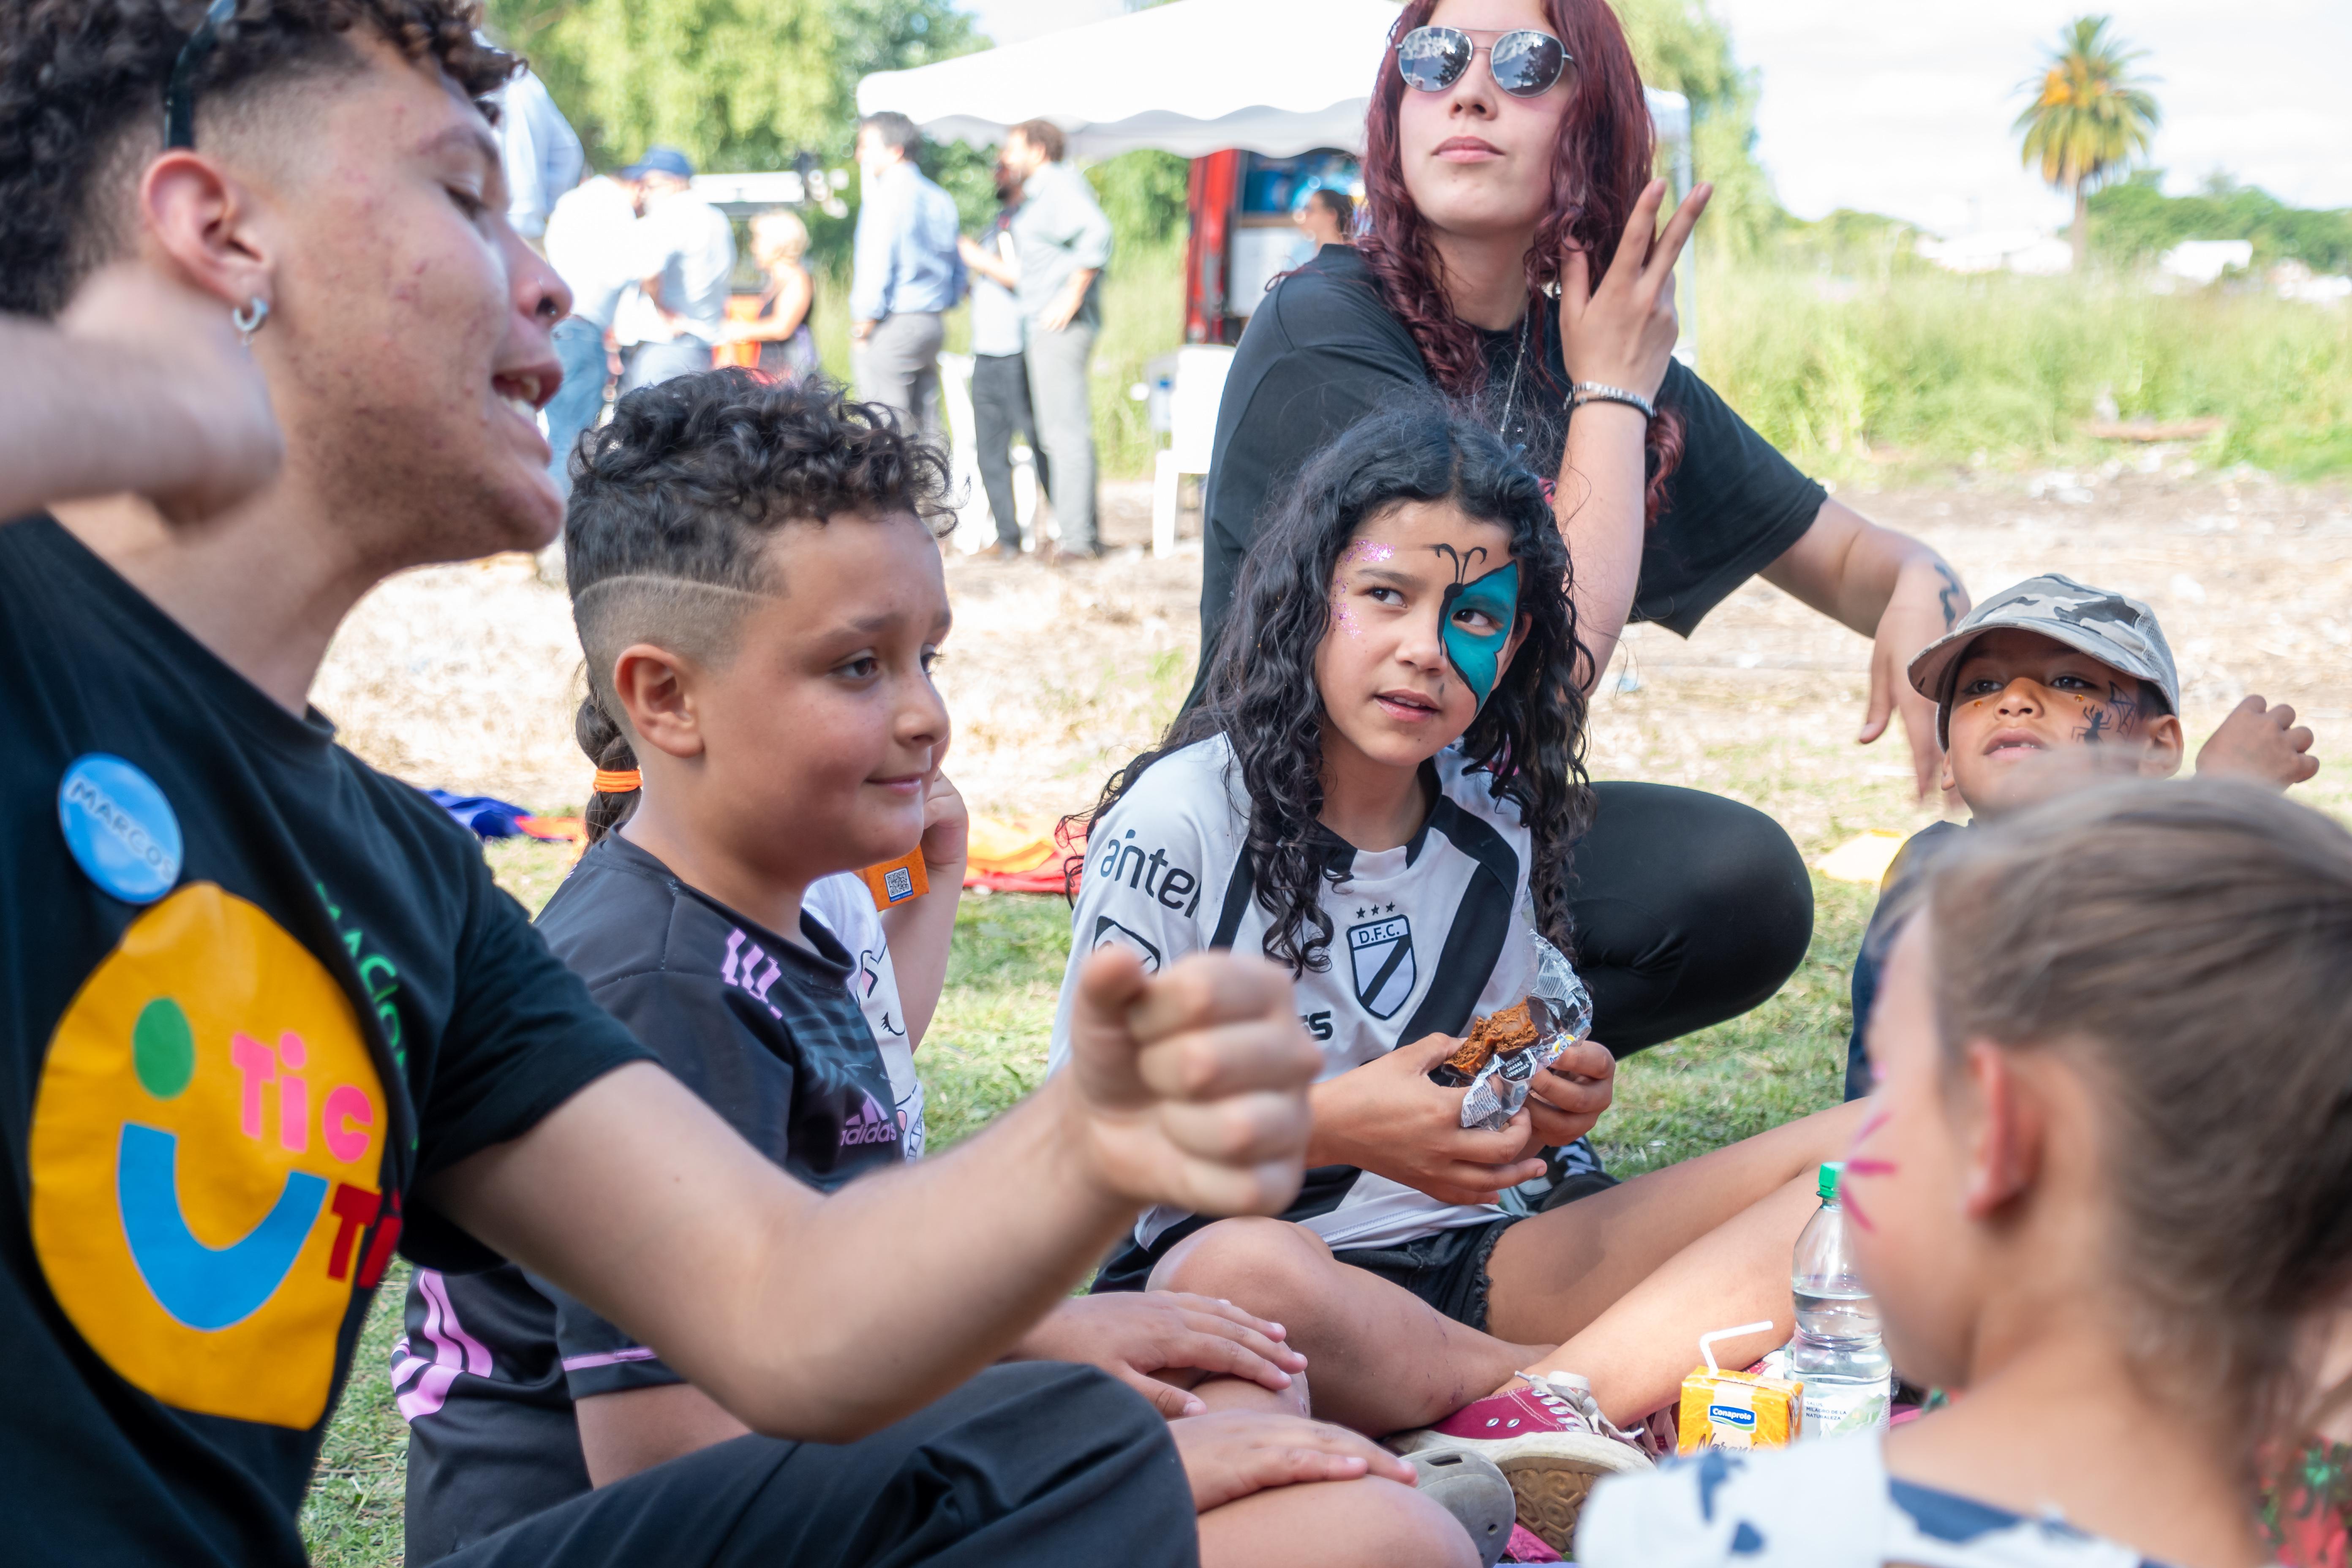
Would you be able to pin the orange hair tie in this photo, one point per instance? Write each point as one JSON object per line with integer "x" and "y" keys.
{"x": 622, "y": 781}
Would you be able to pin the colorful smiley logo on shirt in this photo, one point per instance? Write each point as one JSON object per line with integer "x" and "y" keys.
{"x": 205, "y": 1148}
{"x": 1475, "y": 654}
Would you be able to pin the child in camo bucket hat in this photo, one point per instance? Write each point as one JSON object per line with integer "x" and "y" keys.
{"x": 2118, "y": 631}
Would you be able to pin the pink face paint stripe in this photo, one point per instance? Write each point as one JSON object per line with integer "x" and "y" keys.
{"x": 1872, "y": 1125}
{"x": 1854, "y": 1209}
{"x": 606, "y": 1358}
{"x": 1870, "y": 1167}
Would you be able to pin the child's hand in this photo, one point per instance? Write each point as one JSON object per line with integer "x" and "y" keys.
{"x": 1132, "y": 1334}
{"x": 947, "y": 829}
{"x": 1387, "y": 1118}
{"x": 2255, "y": 743}
{"x": 1234, "y": 1453}
{"x": 1566, "y": 1100}
{"x": 1189, "y": 1086}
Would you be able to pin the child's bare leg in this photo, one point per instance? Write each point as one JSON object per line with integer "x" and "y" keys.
{"x": 1635, "y": 1353}
{"x": 1367, "y": 1523}
{"x": 1380, "y": 1358}
{"x": 1626, "y": 1280}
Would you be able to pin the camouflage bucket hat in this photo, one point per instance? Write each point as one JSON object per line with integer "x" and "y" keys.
{"x": 2118, "y": 632}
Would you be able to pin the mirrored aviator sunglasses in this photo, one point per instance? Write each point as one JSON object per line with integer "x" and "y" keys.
{"x": 1525, "y": 62}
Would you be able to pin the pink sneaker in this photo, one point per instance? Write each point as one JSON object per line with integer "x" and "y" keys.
{"x": 1550, "y": 1441}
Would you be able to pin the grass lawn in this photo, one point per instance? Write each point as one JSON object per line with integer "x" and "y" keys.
{"x": 987, "y": 1047}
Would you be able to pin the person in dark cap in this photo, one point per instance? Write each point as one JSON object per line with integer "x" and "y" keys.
{"x": 2045, "y": 687}
{"x": 686, "y": 258}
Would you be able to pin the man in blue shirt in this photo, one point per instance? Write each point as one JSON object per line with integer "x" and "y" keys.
{"x": 540, "y": 153}
{"x": 907, "y": 276}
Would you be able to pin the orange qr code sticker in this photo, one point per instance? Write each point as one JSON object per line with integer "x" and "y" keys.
{"x": 895, "y": 881}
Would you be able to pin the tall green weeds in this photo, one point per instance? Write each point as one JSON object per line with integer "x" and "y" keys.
{"x": 1926, "y": 369}
{"x": 1901, "y": 375}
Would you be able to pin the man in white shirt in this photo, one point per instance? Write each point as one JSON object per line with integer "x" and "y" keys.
{"x": 592, "y": 241}
{"x": 685, "y": 262}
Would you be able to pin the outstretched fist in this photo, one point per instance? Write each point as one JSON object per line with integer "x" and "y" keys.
{"x": 1191, "y": 1084}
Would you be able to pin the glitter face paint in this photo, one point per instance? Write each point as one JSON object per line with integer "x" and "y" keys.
{"x": 1362, "y": 553}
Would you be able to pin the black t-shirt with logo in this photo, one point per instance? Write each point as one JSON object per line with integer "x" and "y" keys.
{"x": 1323, "y": 350}
{"x": 770, "y": 1033}
{"x": 251, "y": 993}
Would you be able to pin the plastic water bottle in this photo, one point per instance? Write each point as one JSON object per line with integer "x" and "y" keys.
{"x": 1837, "y": 1353}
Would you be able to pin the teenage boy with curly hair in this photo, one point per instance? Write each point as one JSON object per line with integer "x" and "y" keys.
{"x": 264, "y": 1017}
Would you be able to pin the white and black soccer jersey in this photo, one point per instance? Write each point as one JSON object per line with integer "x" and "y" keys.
{"x": 845, "y": 906}
{"x": 1424, "y": 937}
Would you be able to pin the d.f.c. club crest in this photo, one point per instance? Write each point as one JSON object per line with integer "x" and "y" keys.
{"x": 1381, "y": 952}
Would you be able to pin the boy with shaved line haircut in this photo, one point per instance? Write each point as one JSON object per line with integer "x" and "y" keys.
{"x": 265, "y": 1015}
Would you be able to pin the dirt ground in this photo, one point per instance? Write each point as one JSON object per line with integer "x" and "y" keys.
{"x": 466, "y": 677}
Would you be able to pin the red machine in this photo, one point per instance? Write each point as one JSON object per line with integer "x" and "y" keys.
{"x": 1243, "y": 236}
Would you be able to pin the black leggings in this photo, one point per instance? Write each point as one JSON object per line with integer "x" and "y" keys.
{"x": 1689, "y": 908}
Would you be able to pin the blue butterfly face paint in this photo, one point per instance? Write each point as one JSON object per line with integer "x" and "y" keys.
{"x": 1495, "y": 596}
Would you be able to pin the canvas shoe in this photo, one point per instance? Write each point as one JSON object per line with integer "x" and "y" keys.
{"x": 1550, "y": 1441}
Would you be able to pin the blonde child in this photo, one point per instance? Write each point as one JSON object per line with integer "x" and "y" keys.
{"x": 2101, "y": 1195}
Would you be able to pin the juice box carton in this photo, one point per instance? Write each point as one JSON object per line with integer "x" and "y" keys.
{"x": 1722, "y": 1408}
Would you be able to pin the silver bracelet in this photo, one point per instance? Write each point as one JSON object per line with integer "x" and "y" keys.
{"x": 1585, "y": 392}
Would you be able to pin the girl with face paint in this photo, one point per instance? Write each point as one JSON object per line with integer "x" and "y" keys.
{"x": 1380, "y": 792}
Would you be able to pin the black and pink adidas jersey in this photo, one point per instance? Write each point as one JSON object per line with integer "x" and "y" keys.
{"x": 770, "y": 1032}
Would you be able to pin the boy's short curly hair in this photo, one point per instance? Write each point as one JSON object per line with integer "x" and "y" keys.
{"x": 673, "y": 504}
{"x": 81, "y": 105}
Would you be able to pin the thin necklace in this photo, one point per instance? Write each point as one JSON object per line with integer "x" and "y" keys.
{"x": 1511, "y": 394}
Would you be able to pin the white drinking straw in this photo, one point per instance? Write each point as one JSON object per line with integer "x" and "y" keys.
{"x": 1707, "y": 1341}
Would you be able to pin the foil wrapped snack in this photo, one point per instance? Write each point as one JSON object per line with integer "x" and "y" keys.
{"x": 1507, "y": 1048}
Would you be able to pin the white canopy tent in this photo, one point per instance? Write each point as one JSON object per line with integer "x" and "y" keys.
{"x": 1277, "y": 76}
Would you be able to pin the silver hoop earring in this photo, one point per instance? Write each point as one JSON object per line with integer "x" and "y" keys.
{"x": 247, "y": 317}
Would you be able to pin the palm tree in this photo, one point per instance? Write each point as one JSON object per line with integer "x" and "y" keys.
{"x": 2089, "y": 116}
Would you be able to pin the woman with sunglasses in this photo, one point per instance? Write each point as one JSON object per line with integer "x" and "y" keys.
{"x": 1508, "y": 149}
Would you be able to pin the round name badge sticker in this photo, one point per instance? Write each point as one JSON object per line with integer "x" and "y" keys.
{"x": 122, "y": 832}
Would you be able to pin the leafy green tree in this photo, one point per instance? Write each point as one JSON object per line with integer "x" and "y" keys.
{"x": 1681, "y": 47}
{"x": 2133, "y": 221}
{"x": 2089, "y": 117}
{"x": 737, "y": 84}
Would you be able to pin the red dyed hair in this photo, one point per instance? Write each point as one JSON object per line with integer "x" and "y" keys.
{"x": 1599, "y": 165}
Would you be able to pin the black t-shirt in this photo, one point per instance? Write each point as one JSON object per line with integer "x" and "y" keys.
{"x": 768, "y": 1032}
{"x": 1324, "y": 349}
{"x": 251, "y": 993}
{"x": 1910, "y": 862}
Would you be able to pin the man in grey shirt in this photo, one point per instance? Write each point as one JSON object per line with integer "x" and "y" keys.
{"x": 906, "y": 275}
{"x": 686, "y": 260}
{"x": 1000, "y": 374}
{"x": 1063, "y": 242}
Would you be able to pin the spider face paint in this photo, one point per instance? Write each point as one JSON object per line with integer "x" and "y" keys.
{"x": 1496, "y": 596}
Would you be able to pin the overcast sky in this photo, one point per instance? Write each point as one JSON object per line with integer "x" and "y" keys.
{"x": 1903, "y": 106}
